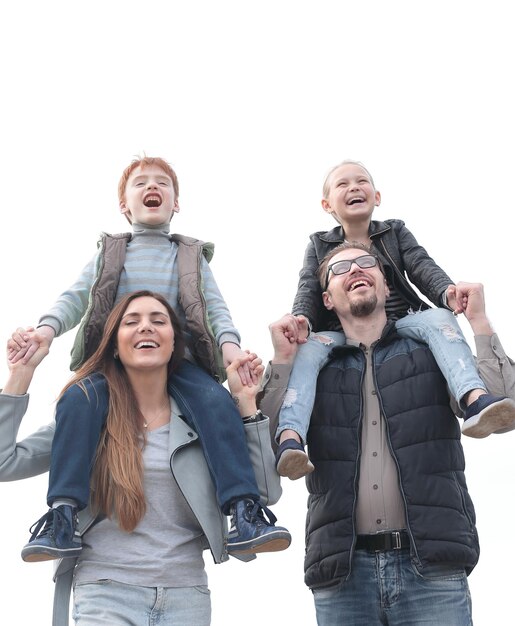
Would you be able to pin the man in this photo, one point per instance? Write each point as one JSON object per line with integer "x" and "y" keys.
{"x": 390, "y": 531}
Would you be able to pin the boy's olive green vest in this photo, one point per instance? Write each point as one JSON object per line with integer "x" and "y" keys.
{"x": 112, "y": 249}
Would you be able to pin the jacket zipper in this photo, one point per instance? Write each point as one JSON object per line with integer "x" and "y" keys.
{"x": 406, "y": 286}
{"x": 356, "y": 473}
{"x": 217, "y": 559}
{"x": 390, "y": 447}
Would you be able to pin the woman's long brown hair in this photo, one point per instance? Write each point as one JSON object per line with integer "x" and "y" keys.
{"x": 117, "y": 478}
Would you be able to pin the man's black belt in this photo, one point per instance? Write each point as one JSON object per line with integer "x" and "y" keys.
{"x": 392, "y": 540}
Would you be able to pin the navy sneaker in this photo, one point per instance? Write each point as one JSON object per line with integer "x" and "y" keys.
{"x": 58, "y": 539}
{"x": 291, "y": 460}
{"x": 251, "y": 533}
{"x": 489, "y": 414}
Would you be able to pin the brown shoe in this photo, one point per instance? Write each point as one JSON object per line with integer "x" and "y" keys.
{"x": 291, "y": 460}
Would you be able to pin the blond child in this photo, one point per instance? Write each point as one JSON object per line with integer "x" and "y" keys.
{"x": 350, "y": 196}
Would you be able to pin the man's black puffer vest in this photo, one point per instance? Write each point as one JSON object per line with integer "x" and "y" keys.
{"x": 424, "y": 437}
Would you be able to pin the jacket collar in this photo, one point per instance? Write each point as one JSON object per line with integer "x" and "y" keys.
{"x": 389, "y": 334}
{"x": 378, "y": 228}
{"x": 180, "y": 433}
{"x": 336, "y": 235}
{"x": 333, "y": 236}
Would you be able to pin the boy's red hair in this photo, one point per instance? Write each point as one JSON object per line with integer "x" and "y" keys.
{"x": 144, "y": 162}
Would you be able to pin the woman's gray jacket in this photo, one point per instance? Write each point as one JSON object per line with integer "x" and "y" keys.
{"x": 31, "y": 456}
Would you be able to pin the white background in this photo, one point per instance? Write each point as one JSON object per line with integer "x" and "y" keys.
{"x": 252, "y": 103}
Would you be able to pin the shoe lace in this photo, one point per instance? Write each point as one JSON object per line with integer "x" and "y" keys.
{"x": 36, "y": 527}
{"x": 49, "y": 522}
{"x": 257, "y": 512}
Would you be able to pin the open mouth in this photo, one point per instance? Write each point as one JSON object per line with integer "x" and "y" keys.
{"x": 359, "y": 283}
{"x": 146, "y": 344}
{"x": 355, "y": 201}
{"x": 152, "y": 200}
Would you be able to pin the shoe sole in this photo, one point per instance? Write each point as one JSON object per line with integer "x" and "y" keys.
{"x": 273, "y": 542}
{"x": 497, "y": 418}
{"x": 294, "y": 464}
{"x": 35, "y": 554}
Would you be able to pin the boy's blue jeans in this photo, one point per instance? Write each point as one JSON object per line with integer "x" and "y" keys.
{"x": 386, "y": 588}
{"x": 205, "y": 405}
{"x": 438, "y": 328}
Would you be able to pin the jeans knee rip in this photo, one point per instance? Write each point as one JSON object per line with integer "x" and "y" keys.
{"x": 450, "y": 333}
{"x": 323, "y": 339}
{"x": 290, "y": 397}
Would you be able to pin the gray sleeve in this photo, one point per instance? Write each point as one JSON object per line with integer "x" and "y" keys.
{"x": 275, "y": 384}
{"x": 70, "y": 307}
{"x": 496, "y": 369}
{"x": 263, "y": 461}
{"x": 218, "y": 312}
{"x": 28, "y": 457}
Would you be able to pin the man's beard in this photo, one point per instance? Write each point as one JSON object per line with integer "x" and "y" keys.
{"x": 363, "y": 307}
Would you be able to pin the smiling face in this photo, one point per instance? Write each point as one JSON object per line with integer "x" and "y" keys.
{"x": 145, "y": 337}
{"x": 350, "y": 194}
{"x": 357, "y": 293}
{"x": 149, "y": 196}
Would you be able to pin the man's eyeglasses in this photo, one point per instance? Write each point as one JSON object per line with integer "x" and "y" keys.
{"x": 342, "y": 267}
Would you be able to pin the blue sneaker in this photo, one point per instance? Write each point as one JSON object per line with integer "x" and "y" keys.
{"x": 489, "y": 414}
{"x": 251, "y": 533}
{"x": 58, "y": 539}
{"x": 291, "y": 460}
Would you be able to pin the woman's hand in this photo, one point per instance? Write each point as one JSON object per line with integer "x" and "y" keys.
{"x": 244, "y": 395}
{"x": 231, "y": 352}
{"x": 22, "y": 371}
{"x": 23, "y": 344}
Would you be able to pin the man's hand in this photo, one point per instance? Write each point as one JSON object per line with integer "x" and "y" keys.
{"x": 244, "y": 394}
{"x": 22, "y": 370}
{"x": 22, "y": 344}
{"x": 473, "y": 295}
{"x": 287, "y": 333}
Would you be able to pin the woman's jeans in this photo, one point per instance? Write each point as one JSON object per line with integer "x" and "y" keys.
{"x": 205, "y": 405}
{"x": 385, "y": 588}
{"x": 438, "y": 328}
{"x": 108, "y": 603}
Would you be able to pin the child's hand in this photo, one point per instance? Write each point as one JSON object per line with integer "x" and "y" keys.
{"x": 244, "y": 394}
{"x": 296, "y": 328}
{"x": 39, "y": 349}
{"x": 21, "y": 372}
{"x": 232, "y": 352}
{"x": 452, "y": 301}
{"x": 286, "y": 334}
{"x": 23, "y": 344}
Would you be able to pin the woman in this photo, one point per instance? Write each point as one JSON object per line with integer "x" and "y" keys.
{"x": 146, "y": 528}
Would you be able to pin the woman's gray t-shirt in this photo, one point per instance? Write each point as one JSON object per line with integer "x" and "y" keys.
{"x": 165, "y": 549}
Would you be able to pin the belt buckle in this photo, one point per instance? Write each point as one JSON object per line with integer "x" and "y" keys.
{"x": 397, "y": 544}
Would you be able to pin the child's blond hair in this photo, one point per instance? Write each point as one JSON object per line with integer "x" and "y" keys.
{"x": 325, "y": 189}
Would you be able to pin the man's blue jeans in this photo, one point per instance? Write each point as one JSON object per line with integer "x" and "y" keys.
{"x": 437, "y": 328}
{"x": 206, "y": 406}
{"x": 385, "y": 589}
